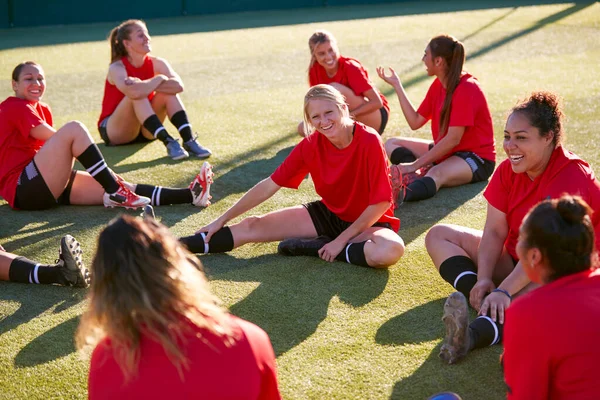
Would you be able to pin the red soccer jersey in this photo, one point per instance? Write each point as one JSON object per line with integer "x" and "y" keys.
{"x": 469, "y": 109}
{"x": 551, "y": 341}
{"x": 350, "y": 73}
{"x": 515, "y": 194}
{"x": 17, "y": 148}
{"x": 348, "y": 180}
{"x": 244, "y": 370}
{"x": 112, "y": 94}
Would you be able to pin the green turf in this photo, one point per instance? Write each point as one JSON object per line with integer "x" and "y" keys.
{"x": 339, "y": 331}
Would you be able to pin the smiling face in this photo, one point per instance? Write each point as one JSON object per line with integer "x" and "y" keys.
{"x": 30, "y": 84}
{"x": 327, "y": 55}
{"x": 326, "y": 117}
{"x": 139, "y": 40}
{"x": 526, "y": 149}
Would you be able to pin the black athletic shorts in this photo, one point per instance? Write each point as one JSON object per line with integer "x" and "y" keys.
{"x": 104, "y": 135}
{"x": 384, "y": 119}
{"x": 481, "y": 168}
{"x": 33, "y": 193}
{"x": 327, "y": 223}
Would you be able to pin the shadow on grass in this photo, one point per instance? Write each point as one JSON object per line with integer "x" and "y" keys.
{"x": 290, "y": 314}
{"x": 34, "y": 300}
{"x": 389, "y": 91}
{"x": 50, "y": 35}
{"x": 53, "y": 344}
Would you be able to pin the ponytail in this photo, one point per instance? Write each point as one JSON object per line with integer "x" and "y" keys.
{"x": 116, "y": 37}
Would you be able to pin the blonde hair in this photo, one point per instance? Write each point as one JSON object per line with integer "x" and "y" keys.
{"x": 144, "y": 282}
{"x": 118, "y": 34}
{"x": 323, "y": 92}
{"x": 317, "y": 38}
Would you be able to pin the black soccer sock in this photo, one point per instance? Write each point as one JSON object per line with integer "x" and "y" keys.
{"x": 220, "y": 242}
{"x": 354, "y": 253}
{"x": 402, "y": 155}
{"x": 421, "y": 189}
{"x": 26, "y": 271}
{"x": 180, "y": 120}
{"x": 460, "y": 272}
{"x": 485, "y": 332}
{"x": 162, "y": 196}
{"x": 94, "y": 164}
{"x": 154, "y": 126}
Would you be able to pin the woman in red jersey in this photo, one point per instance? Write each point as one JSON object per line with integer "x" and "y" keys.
{"x": 354, "y": 220}
{"x": 158, "y": 332}
{"x": 484, "y": 266}
{"x": 139, "y": 92}
{"x": 327, "y": 66}
{"x": 550, "y": 333}
{"x": 462, "y": 150}
{"x": 36, "y": 160}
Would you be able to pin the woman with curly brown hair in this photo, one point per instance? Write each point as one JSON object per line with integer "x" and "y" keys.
{"x": 158, "y": 332}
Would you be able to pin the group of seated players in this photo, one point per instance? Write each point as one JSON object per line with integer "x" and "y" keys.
{"x": 156, "y": 329}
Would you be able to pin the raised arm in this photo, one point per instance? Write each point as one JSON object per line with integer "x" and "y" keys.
{"x": 414, "y": 119}
{"x": 488, "y": 254}
{"x": 369, "y": 216}
{"x": 132, "y": 87}
{"x": 262, "y": 191}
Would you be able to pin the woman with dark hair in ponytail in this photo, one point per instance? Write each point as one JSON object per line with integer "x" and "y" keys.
{"x": 140, "y": 91}
{"x": 551, "y": 334}
{"x": 486, "y": 266}
{"x": 463, "y": 148}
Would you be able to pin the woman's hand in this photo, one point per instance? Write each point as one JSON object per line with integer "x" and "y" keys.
{"x": 330, "y": 251}
{"x": 407, "y": 168}
{"x": 481, "y": 288}
{"x": 210, "y": 229}
{"x": 130, "y": 80}
{"x": 392, "y": 79}
{"x": 496, "y": 303}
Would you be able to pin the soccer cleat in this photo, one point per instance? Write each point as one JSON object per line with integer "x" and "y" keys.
{"x": 70, "y": 263}
{"x": 456, "y": 318}
{"x": 125, "y": 198}
{"x": 302, "y": 247}
{"x": 148, "y": 212}
{"x": 196, "y": 149}
{"x": 200, "y": 186}
{"x": 398, "y": 185}
{"x": 175, "y": 151}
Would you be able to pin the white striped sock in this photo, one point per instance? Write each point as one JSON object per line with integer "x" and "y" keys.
{"x": 35, "y": 274}
{"x": 205, "y": 244}
{"x": 348, "y": 255}
{"x": 162, "y": 128}
{"x": 96, "y": 168}
{"x": 496, "y": 337}
{"x": 461, "y": 275}
{"x": 183, "y": 126}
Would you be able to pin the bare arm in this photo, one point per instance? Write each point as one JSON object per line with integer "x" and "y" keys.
{"x": 132, "y": 87}
{"x": 173, "y": 84}
{"x": 42, "y": 132}
{"x": 369, "y": 216}
{"x": 414, "y": 119}
{"x": 516, "y": 281}
{"x": 488, "y": 254}
{"x": 262, "y": 191}
{"x": 374, "y": 103}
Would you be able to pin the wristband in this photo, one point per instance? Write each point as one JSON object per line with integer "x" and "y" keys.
{"x": 503, "y": 291}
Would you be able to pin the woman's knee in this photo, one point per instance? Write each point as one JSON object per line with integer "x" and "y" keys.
{"x": 387, "y": 253}
{"x": 437, "y": 234}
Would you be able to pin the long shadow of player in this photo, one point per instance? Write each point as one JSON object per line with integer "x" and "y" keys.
{"x": 293, "y": 294}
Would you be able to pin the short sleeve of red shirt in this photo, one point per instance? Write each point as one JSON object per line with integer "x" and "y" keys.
{"x": 463, "y": 107}
{"x": 294, "y": 168}
{"x": 497, "y": 191}
{"x": 29, "y": 116}
{"x": 357, "y": 77}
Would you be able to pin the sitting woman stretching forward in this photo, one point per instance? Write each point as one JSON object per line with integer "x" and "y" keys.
{"x": 158, "y": 332}
{"x": 485, "y": 266}
{"x": 462, "y": 150}
{"x": 365, "y": 103}
{"x": 550, "y": 337}
{"x": 354, "y": 220}
{"x": 140, "y": 90}
{"x": 36, "y": 161}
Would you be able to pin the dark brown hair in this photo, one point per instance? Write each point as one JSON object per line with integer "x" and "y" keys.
{"x": 562, "y": 230}
{"x": 116, "y": 37}
{"x": 544, "y": 112}
{"x": 17, "y": 71}
{"x": 453, "y": 52}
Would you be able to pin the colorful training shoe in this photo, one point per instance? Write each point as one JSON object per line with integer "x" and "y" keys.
{"x": 200, "y": 186}
{"x": 398, "y": 185}
{"x": 70, "y": 263}
{"x": 195, "y": 149}
{"x": 125, "y": 198}
{"x": 175, "y": 151}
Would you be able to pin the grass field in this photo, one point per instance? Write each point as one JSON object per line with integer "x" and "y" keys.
{"x": 339, "y": 331}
